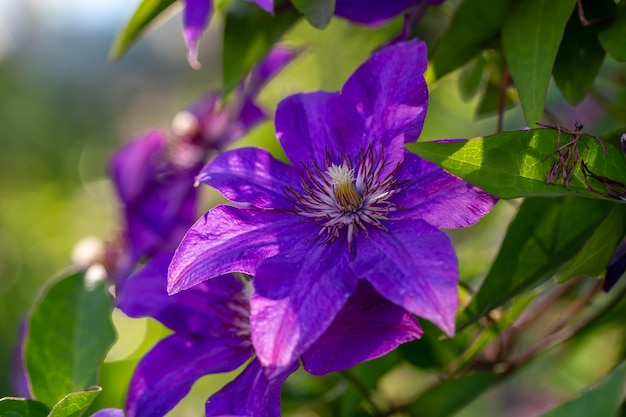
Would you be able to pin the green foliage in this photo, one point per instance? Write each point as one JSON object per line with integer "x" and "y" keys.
{"x": 580, "y": 55}
{"x": 474, "y": 27}
{"x": 21, "y": 407}
{"x": 75, "y": 404}
{"x": 446, "y": 398}
{"x": 145, "y": 15}
{"x": 249, "y": 34}
{"x": 544, "y": 234}
{"x": 595, "y": 255}
{"x": 516, "y": 164}
{"x": 612, "y": 38}
{"x": 530, "y": 39}
{"x": 317, "y": 12}
{"x": 69, "y": 332}
{"x": 602, "y": 399}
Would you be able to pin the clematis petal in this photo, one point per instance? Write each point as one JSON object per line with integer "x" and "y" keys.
{"x": 252, "y": 175}
{"x": 414, "y": 266}
{"x": 252, "y": 393}
{"x": 109, "y": 412}
{"x": 166, "y": 373}
{"x": 192, "y": 311}
{"x": 438, "y": 197}
{"x": 368, "y": 326}
{"x": 278, "y": 57}
{"x": 196, "y": 17}
{"x": 296, "y": 297}
{"x": 159, "y": 201}
{"x": 267, "y": 5}
{"x": 314, "y": 125}
{"x": 372, "y": 12}
{"x": 228, "y": 239}
{"x": 390, "y": 94}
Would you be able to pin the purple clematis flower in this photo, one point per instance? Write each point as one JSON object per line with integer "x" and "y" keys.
{"x": 197, "y": 13}
{"x": 354, "y": 205}
{"x": 211, "y": 324}
{"x": 154, "y": 177}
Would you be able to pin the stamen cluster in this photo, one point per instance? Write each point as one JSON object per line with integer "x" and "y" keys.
{"x": 347, "y": 194}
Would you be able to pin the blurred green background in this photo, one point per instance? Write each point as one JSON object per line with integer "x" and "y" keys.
{"x": 64, "y": 108}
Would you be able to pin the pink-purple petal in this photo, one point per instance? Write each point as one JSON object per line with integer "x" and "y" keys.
{"x": 390, "y": 93}
{"x": 414, "y": 266}
{"x": 297, "y": 295}
{"x": 367, "y": 327}
{"x": 196, "y": 17}
{"x": 267, "y": 5}
{"x": 438, "y": 197}
{"x": 166, "y": 373}
{"x": 251, "y": 175}
{"x": 251, "y": 394}
{"x": 228, "y": 239}
{"x": 372, "y": 12}
{"x": 314, "y": 125}
{"x": 190, "y": 311}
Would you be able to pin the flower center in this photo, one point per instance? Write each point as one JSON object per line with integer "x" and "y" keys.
{"x": 347, "y": 196}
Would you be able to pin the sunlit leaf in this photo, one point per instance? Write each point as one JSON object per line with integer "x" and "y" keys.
{"x": 531, "y": 35}
{"x": 580, "y": 55}
{"x": 544, "y": 234}
{"x": 601, "y": 399}
{"x": 613, "y": 37}
{"x": 75, "y": 404}
{"x": 474, "y": 27}
{"x": 516, "y": 164}
{"x": 69, "y": 332}
{"x": 450, "y": 396}
{"x": 145, "y": 14}
{"x": 249, "y": 34}
{"x": 317, "y": 12}
{"x": 22, "y": 407}
{"x": 595, "y": 255}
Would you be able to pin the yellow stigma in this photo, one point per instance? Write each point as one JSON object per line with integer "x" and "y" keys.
{"x": 346, "y": 194}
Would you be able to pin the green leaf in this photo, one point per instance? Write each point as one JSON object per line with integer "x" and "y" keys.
{"x": 612, "y": 38}
{"x": 601, "y": 399}
{"x": 595, "y": 255}
{"x": 580, "y": 55}
{"x": 516, "y": 164}
{"x": 471, "y": 78}
{"x": 75, "y": 404}
{"x": 249, "y": 34}
{"x": 69, "y": 332}
{"x": 145, "y": 14}
{"x": 450, "y": 396}
{"x": 22, "y": 407}
{"x": 317, "y": 12}
{"x": 474, "y": 27}
{"x": 544, "y": 234}
{"x": 530, "y": 39}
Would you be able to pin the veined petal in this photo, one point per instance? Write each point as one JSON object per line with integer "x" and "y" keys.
{"x": 367, "y": 327}
{"x": 296, "y": 297}
{"x": 229, "y": 239}
{"x": 252, "y": 393}
{"x": 314, "y": 125}
{"x": 267, "y": 5}
{"x": 390, "y": 94}
{"x": 166, "y": 373}
{"x": 414, "y": 266}
{"x": 192, "y": 311}
{"x": 252, "y": 175}
{"x": 195, "y": 19}
{"x": 438, "y": 197}
{"x": 372, "y": 12}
